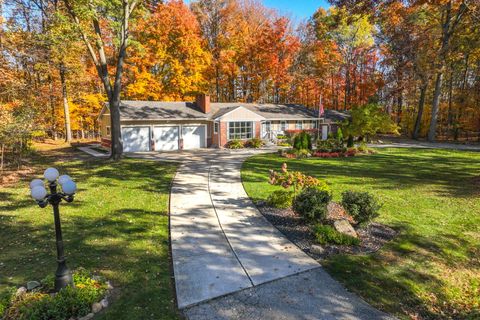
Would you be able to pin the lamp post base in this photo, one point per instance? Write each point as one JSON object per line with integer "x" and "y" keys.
{"x": 63, "y": 276}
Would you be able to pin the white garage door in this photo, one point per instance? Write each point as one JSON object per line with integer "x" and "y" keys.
{"x": 136, "y": 139}
{"x": 193, "y": 137}
{"x": 166, "y": 138}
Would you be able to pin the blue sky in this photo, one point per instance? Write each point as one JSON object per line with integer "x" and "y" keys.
{"x": 297, "y": 9}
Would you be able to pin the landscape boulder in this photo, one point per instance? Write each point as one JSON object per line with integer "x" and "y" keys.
{"x": 343, "y": 226}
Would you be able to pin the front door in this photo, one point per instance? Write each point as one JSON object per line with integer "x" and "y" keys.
{"x": 266, "y": 129}
{"x": 324, "y": 132}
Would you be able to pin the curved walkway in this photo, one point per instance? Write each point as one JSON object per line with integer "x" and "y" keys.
{"x": 222, "y": 246}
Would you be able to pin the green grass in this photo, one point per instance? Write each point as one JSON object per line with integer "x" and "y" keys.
{"x": 117, "y": 227}
{"x": 432, "y": 197}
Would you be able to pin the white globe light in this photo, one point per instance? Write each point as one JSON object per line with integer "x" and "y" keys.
{"x": 39, "y": 192}
{"x": 36, "y": 182}
{"x": 51, "y": 174}
{"x": 64, "y": 178}
{"x": 69, "y": 187}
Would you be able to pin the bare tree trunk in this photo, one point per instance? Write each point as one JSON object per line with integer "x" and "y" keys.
{"x": 435, "y": 107}
{"x": 3, "y": 153}
{"x": 449, "y": 24}
{"x": 421, "y": 105}
{"x": 66, "y": 107}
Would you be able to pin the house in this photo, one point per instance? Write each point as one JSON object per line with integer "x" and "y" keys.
{"x": 160, "y": 126}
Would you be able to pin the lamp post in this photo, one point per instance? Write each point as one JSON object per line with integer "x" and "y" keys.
{"x": 63, "y": 276}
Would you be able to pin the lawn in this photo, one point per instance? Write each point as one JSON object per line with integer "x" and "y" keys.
{"x": 432, "y": 197}
{"x": 117, "y": 227}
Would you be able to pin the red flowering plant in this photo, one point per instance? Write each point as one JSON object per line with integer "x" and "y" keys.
{"x": 295, "y": 179}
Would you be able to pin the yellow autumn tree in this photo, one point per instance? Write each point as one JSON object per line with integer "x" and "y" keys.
{"x": 170, "y": 59}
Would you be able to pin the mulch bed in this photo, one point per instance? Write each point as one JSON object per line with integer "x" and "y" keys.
{"x": 295, "y": 228}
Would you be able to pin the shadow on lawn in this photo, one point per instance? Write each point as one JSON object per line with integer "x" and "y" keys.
{"x": 130, "y": 248}
{"x": 373, "y": 276}
{"x": 390, "y": 170}
{"x": 128, "y": 245}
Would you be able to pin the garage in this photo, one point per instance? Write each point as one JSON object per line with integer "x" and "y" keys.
{"x": 194, "y": 136}
{"x": 136, "y": 139}
{"x": 166, "y": 138}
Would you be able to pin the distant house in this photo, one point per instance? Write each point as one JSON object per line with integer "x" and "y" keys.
{"x": 160, "y": 126}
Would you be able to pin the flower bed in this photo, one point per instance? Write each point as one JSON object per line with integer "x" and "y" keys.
{"x": 39, "y": 301}
{"x": 348, "y": 153}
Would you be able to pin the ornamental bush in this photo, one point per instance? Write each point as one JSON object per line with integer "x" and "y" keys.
{"x": 281, "y": 199}
{"x": 70, "y": 302}
{"x": 295, "y": 179}
{"x": 302, "y": 141}
{"x": 330, "y": 145}
{"x": 254, "y": 143}
{"x": 235, "y": 144}
{"x": 326, "y": 234}
{"x": 362, "y": 206}
{"x": 312, "y": 203}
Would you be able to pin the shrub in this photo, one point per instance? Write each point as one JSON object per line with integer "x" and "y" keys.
{"x": 302, "y": 141}
{"x": 350, "y": 143}
{"x": 363, "y": 147}
{"x": 362, "y": 206}
{"x": 330, "y": 145}
{"x": 322, "y": 186}
{"x": 340, "y": 135}
{"x": 254, "y": 143}
{"x": 235, "y": 144}
{"x": 5, "y": 299}
{"x": 302, "y": 153}
{"x": 281, "y": 199}
{"x": 67, "y": 303}
{"x": 281, "y": 137}
{"x": 312, "y": 203}
{"x": 328, "y": 235}
{"x": 295, "y": 179}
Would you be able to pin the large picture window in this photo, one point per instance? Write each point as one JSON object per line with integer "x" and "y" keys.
{"x": 240, "y": 130}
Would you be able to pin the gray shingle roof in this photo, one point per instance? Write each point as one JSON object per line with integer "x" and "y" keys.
{"x": 159, "y": 110}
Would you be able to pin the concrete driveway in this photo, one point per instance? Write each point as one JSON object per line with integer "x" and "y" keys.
{"x": 231, "y": 263}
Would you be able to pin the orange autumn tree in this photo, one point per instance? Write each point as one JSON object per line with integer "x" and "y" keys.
{"x": 169, "y": 58}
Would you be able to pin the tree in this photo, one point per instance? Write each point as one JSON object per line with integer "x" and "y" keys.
{"x": 169, "y": 60}
{"x": 367, "y": 121}
{"x": 96, "y": 14}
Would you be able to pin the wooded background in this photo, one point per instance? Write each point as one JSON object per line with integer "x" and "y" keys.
{"x": 419, "y": 60}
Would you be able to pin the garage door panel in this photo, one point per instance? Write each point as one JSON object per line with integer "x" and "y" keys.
{"x": 193, "y": 136}
{"x": 166, "y": 138}
{"x": 136, "y": 139}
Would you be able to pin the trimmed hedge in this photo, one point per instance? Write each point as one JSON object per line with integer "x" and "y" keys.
{"x": 312, "y": 203}
{"x": 362, "y": 206}
{"x": 281, "y": 199}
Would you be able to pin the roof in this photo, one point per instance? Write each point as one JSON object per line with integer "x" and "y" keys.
{"x": 268, "y": 111}
{"x": 157, "y": 110}
{"x": 336, "y": 116}
{"x": 160, "y": 110}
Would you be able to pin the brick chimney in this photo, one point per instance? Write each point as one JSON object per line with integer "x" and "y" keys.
{"x": 203, "y": 102}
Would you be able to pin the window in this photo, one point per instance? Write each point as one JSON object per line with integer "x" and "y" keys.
{"x": 215, "y": 127}
{"x": 267, "y": 126}
{"x": 108, "y": 130}
{"x": 240, "y": 130}
{"x": 314, "y": 124}
{"x": 283, "y": 125}
{"x": 299, "y": 125}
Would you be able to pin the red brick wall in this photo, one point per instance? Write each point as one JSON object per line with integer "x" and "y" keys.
{"x": 223, "y": 133}
{"x": 258, "y": 127}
